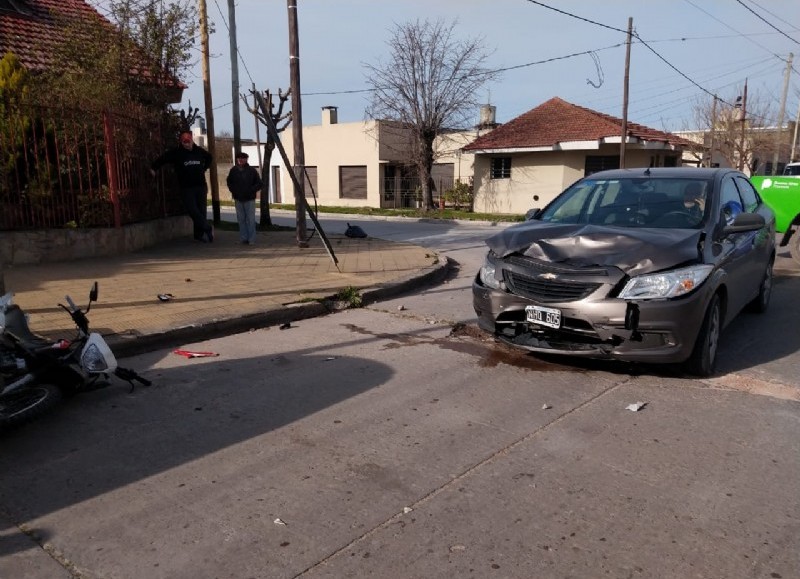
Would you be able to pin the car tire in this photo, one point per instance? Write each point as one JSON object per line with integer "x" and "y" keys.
{"x": 704, "y": 356}
{"x": 760, "y": 303}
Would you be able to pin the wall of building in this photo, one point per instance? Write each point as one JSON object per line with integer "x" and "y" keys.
{"x": 330, "y": 146}
{"x": 537, "y": 178}
{"x": 542, "y": 175}
{"x": 372, "y": 144}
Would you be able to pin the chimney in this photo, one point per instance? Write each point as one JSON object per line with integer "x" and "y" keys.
{"x": 329, "y": 116}
{"x": 487, "y": 117}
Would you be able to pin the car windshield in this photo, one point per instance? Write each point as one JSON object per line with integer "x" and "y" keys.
{"x": 661, "y": 203}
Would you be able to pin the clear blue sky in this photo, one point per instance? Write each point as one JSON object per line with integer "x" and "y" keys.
{"x": 715, "y": 43}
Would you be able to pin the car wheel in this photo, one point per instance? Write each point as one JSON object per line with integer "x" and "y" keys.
{"x": 761, "y": 301}
{"x": 704, "y": 356}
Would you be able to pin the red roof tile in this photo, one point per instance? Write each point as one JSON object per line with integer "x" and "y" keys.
{"x": 557, "y": 121}
{"x": 34, "y": 32}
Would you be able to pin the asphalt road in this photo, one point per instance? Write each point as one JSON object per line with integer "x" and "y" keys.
{"x": 391, "y": 442}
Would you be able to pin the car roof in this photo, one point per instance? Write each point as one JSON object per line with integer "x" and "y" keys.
{"x": 663, "y": 173}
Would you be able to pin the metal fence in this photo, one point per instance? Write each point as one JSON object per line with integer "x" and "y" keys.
{"x": 77, "y": 168}
{"x": 406, "y": 192}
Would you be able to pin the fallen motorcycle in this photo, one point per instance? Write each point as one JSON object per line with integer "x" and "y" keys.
{"x": 36, "y": 373}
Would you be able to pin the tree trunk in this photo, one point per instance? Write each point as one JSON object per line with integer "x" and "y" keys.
{"x": 266, "y": 218}
{"x": 425, "y": 174}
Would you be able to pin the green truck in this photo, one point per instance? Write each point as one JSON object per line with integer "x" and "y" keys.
{"x": 782, "y": 194}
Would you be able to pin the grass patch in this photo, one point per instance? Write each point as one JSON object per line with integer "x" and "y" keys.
{"x": 445, "y": 214}
{"x": 414, "y": 213}
{"x": 350, "y": 296}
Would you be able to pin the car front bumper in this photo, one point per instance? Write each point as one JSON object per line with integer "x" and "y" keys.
{"x": 647, "y": 331}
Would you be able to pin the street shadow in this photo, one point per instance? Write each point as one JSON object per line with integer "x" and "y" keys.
{"x": 754, "y": 339}
{"x": 104, "y": 440}
{"x": 748, "y": 341}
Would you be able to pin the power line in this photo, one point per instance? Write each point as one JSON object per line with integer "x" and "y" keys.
{"x": 726, "y": 25}
{"x": 766, "y": 22}
{"x": 578, "y": 17}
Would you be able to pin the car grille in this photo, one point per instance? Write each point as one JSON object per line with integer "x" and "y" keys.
{"x": 540, "y": 267}
{"x": 544, "y": 290}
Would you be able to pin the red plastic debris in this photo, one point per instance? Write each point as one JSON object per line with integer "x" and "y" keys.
{"x": 191, "y": 354}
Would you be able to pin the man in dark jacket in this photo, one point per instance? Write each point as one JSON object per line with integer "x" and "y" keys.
{"x": 244, "y": 183}
{"x": 190, "y": 163}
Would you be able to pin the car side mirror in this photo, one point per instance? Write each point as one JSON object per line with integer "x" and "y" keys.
{"x": 532, "y": 214}
{"x": 744, "y": 222}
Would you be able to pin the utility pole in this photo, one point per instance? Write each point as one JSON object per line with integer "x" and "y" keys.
{"x": 625, "y": 95}
{"x": 237, "y": 129}
{"x": 794, "y": 137}
{"x": 209, "y": 112}
{"x": 297, "y": 125}
{"x": 779, "y": 132}
{"x": 742, "y": 101}
{"x": 713, "y": 130}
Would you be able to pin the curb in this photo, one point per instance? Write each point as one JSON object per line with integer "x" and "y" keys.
{"x": 133, "y": 345}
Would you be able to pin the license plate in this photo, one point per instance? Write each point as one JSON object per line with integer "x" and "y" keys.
{"x": 549, "y": 317}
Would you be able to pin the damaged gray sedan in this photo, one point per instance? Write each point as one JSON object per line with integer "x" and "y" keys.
{"x": 639, "y": 265}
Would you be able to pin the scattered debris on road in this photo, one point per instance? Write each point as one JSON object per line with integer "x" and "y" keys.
{"x": 191, "y": 354}
{"x": 636, "y": 407}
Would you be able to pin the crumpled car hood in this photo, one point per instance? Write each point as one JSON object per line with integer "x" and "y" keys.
{"x": 633, "y": 250}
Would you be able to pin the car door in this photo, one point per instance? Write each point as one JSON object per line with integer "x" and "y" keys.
{"x": 763, "y": 239}
{"x": 738, "y": 257}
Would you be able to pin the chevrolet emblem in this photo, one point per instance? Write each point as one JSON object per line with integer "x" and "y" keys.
{"x": 548, "y": 275}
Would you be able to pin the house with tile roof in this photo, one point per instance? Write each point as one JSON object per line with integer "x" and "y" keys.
{"x": 33, "y": 29}
{"x": 75, "y": 174}
{"x": 527, "y": 161}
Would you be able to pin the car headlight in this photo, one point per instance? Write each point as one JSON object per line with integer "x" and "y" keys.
{"x": 667, "y": 284}
{"x": 487, "y": 275}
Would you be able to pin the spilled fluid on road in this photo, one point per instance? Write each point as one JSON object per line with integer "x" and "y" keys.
{"x": 469, "y": 339}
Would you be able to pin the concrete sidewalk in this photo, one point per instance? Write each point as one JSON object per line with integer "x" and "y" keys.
{"x": 216, "y": 288}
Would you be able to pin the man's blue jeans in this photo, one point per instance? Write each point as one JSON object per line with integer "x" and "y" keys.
{"x": 246, "y": 216}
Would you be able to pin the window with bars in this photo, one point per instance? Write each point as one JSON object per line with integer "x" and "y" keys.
{"x": 501, "y": 168}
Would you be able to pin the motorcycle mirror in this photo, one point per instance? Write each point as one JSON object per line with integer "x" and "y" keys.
{"x": 93, "y": 293}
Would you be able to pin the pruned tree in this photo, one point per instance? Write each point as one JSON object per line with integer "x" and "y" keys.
{"x": 428, "y": 84}
{"x": 739, "y": 130}
{"x": 280, "y": 120}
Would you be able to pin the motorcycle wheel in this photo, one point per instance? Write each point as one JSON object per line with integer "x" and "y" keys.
{"x": 23, "y": 405}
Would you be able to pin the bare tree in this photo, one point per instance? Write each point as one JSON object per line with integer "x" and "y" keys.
{"x": 428, "y": 84}
{"x": 743, "y": 132}
{"x": 280, "y": 120}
